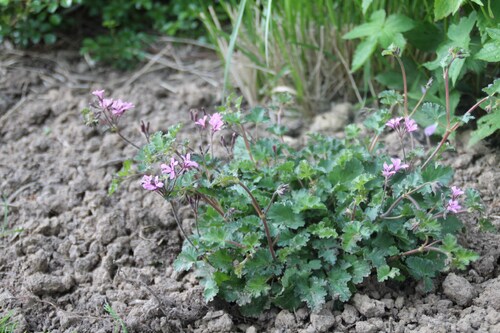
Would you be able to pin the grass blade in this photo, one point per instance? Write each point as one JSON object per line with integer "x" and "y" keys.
{"x": 232, "y": 42}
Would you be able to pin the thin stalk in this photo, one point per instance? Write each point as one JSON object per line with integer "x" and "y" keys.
{"x": 398, "y": 200}
{"x": 447, "y": 95}
{"x": 405, "y": 86}
{"x": 247, "y": 144}
{"x": 262, "y": 217}
{"x": 178, "y": 221}
{"x": 451, "y": 130}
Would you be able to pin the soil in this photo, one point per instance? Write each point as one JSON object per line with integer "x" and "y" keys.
{"x": 67, "y": 248}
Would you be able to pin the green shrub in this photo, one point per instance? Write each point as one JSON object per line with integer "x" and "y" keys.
{"x": 121, "y": 28}
{"x": 281, "y": 226}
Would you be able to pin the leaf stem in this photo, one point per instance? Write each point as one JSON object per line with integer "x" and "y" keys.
{"x": 405, "y": 85}
{"x": 262, "y": 217}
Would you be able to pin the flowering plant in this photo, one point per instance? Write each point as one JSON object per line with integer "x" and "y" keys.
{"x": 275, "y": 225}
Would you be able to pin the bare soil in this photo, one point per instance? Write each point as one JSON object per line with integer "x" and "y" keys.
{"x": 68, "y": 248}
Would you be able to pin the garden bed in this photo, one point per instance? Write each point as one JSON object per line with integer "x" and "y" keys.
{"x": 70, "y": 248}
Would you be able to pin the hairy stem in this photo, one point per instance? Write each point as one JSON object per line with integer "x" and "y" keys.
{"x": 405, "y": 86}
{"x": 262, "y": 217}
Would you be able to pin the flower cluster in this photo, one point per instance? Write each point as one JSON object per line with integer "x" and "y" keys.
{"x": 391, "y": 169}
{"x": 151, "y": 184}
{"x": 215, "y": 122}
{"x": 172, "y": 170}
{"x": 453, "y": 205}
{"x": 117, "y": 107}
{"x": 407, "y": 126}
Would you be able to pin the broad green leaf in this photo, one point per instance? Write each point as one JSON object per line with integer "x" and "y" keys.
{"x": 443, "y": 8}
{"x": 422, "y": 267}
{"x": 284, "y": 215}
{"x": 385, "y": 272}
{"x": 398, "y": 23}
{"x": 257, "y": 115}
{"x": 185, "y": 259}
{"x": 493, "y": 88}
{"x": 360, "y": 269}
{"x": 363, "y": 52}
{"x": 490, "y": 52}
{"x": 351, "y": 235}
{"x": 390, "y": 97}
{"x": 364, "y": 5}
{"x": 222, "y": 260}
{"x": 303, "y": 200}
{"x": 338, "y": 280}
{"x": 367, "y": 29}
{"x": 486, "y": 126}
{"x": 257, "y": 286}
{"x": 314, "y": 295}
{"x": 323, "y": 229}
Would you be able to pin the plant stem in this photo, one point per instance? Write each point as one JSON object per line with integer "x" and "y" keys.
{"x": 398, "y": 200}
{"x": 447, "y": 95}
{"x": 262, "y": 217}
{"x": 178, "y": 221}
{"x": 405, "y": 86}
{"x": 247, "y": 144}
{"x": 451, "y": 130}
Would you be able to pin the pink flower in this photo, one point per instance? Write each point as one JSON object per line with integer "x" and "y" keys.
{"x": 388, "y": 171}
{"x": 453, "y": 206}
{"x": 119, "y": 107}
{"x": 202, "y": 122}
{"x": 150, "y": 184}
{"x": 397, "y": 164}
{"x": 99, "y": 94}
{"x": 429, "y": 130}
{"x": 105, "y": 103}
{"x": 456, "y": 192}
{"x": 394, "y": 123}
{"x": 187, "y": 164}
{"x": 169, "y": 169}
{"x": 410, "y": 125}
{"x": 216, "y": 122}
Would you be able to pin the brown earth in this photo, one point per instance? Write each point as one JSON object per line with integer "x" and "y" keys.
{"x": 67, "y": 248}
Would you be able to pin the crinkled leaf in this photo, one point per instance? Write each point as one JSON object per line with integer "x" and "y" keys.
{"x": 257, "y": 286}
{"x": 338, "y": 280}
{"x": 285, "y": 215}
{"x": 303, "y": 200}
{"x": 385, "y": 272}
{"x": 314, "y": 294}
{"x": 186, "y": 259}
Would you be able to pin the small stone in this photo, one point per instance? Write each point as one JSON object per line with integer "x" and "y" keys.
{"x": 323, "y": 320}
{"x": 334, "y": 120}
{"x": 350, "y": 314}
{"x": 251, "y": 329}
{"x": 368, "y": 307}
{"x": 302, "y": 314}
{"x": 222, "y": 324}
{"x": 458, "y": 289}
{"x": 388, "y": 302}
{"x": 444, "y": 304}
{"x": 44, "y": 284}
{"x": 493, "y": 317}
{"x": 365, "y": 327}
{"x": 400, "y": 302}
{"x": 284, "y": 320}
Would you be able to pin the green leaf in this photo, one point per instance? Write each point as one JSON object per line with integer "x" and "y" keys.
{"x": 351, "y": 235}
{"x": 314, "y": 295}
{"x": 322, "y": 230}
{"x": 385, "y": 272}
{"x": 257, "y": 286}
{"x": 421, "y": 267}
{"x": 437, "y": 173}
{"x": 363, "y": 52}
{"x": 360, "y": 269}
{"x": 367, "y": 29}
{"x": 338, "y": 280}
{"x": 490, "y": 52}
{"x": 222, "y": 260}
{"x": 257, "y": 115}
{"x": 186, "y": 259}
{"x": 286, "y": 216}
{"x": 493, "y": 88}
{"x": 364, "y": 5}
{"x": 303, "y": 200}
{"x": 398, "y": 23}
{"x": 443, "y": 8}
{"x": 304, "y": 170}
{"x": 390, "y": 97}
